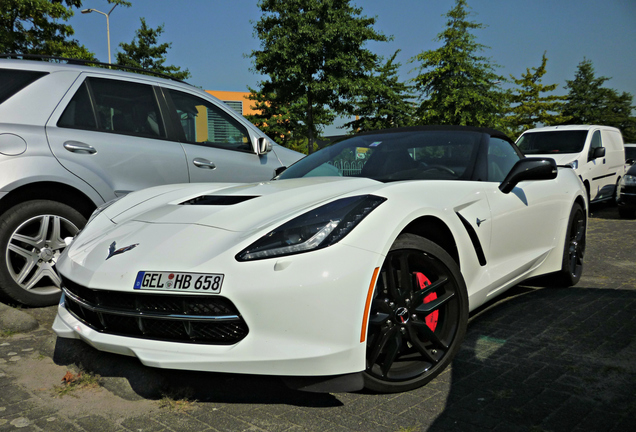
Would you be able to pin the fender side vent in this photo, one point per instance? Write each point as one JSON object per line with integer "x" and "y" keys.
{"x": 218, "y": 200}
{"x": 474, "y": 239}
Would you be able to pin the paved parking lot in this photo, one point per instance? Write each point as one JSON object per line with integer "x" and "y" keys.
{"x": 537, "y": 360}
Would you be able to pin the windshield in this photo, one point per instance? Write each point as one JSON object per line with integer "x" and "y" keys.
{"x": 552, "y": 142}
{"x": 393, "y": 156}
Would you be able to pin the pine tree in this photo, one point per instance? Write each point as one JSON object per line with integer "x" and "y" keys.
{"x": 386, "y": 102}
{"x": 589, "y": 102}
{"x": 456, "y": 85}
{"x": 529, "y": 105}
{"x": 145, "y": 52}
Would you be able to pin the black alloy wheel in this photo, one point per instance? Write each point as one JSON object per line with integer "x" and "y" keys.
{"x": 574, "y": 249}
{"x": 418, "y": 316}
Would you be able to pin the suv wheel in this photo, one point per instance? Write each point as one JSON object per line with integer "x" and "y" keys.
{"x": 31, "y": 240}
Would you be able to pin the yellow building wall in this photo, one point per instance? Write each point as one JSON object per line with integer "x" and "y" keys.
{"x": 235, "y": 96}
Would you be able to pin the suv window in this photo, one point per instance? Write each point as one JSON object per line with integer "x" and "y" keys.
{"x": 120, "y": 107}
{"x": 12, "y": 81}
{"x": 206, "y": 124}
{"x": 501, "y": 158}
{"x": 79, "y": 112}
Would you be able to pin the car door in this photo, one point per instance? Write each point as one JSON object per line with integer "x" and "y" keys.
{"x": 110, "y": 133}
{"x": 597, "y": 170}
{"x": 218, "y": 146}
{"x": 523, "y": 225}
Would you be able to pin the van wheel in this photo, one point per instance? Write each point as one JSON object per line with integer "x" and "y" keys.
{"x": 31, "y": 240}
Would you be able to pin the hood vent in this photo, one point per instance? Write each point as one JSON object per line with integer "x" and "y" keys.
{"x": 218, "y": 200}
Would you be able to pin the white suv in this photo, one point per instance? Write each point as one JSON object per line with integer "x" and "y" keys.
{"x": 74, "y": 137}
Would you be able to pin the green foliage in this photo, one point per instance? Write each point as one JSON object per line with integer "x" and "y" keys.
{"x": 146, "y": 53}
{"x": 312, "y": 51}
{"x": 386, "y": 102}
{"x": 278, "y": 120}
{"x": 588, "y": 102}
{"x": 37, "y": 27}
{"x": 457, "y": 86}
{"x": 529, "y": 108}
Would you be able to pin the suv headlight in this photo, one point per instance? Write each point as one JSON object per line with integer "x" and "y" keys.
{"x": 629, "y": 180}
{"x": 316, "y": 229}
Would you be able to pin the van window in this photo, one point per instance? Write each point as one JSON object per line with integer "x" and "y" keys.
{"x": 596, "y": 143}
{"x": 552, "y": 142}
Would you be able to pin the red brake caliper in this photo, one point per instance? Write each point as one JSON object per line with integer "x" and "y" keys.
{"x": 431, "y": 319}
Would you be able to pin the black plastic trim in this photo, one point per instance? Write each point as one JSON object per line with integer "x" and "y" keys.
{"x": 474, "y": 239}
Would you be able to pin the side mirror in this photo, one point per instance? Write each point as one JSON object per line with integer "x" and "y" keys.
{"x": 599, "y": 152}
{"x": 529, "y": 169}
{"x": 278, "y": 171}
{"x": 629, "y": 161}
{"x": 263, "y": 146}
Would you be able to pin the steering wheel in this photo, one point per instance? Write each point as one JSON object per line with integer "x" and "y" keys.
{"x": 439, "y": 168}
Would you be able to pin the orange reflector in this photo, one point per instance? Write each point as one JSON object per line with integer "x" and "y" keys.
{"x": 367, "y": 306}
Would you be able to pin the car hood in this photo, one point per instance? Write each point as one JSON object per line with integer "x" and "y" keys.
{"x": 234, "y": 207}
{"x": 559, "y": 158}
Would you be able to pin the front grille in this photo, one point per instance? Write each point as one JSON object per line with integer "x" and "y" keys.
{"x": 176, "y": 318}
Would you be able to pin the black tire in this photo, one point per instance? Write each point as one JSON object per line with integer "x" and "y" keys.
{"x": 574, "y": 248}
{"x": 31, "y": 239}
{"x": 424, "y": 339}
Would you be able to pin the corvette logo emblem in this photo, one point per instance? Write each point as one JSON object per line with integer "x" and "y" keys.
{"x": 112, "y": 251}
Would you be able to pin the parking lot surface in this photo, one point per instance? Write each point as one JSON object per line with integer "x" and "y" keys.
{"x": 539, "y": 359}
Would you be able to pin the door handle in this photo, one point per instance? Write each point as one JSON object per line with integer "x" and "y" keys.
{"x": 203, "y": 163}
{"x": 79, "y": 147}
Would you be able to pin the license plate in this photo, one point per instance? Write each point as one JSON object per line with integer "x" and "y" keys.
{"x": 173, "y": 281}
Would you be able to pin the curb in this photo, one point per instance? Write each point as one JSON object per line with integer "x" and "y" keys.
{"x": 15, "y": 320}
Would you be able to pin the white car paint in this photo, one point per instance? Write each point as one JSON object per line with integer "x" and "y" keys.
{"x": 306, "y": 312}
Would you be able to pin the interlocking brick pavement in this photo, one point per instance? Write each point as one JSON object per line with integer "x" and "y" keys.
{"x": 537, "y": 360}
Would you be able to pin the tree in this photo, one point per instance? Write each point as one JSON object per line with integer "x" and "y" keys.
{"x": 38, "y": 27}
{"x": 144, "y": 52}
{"x": 312, "y": 51}
{"x": 386, "y": 102}
{"x": 276, "y": 120}
{"x": 529, "y": 107}
{"x": 456, "y": 85}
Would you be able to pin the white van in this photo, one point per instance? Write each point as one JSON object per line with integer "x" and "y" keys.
{"x": 596, "y": 153}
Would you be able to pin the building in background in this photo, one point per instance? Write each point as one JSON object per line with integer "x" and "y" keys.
{"x": 238, "y": 101}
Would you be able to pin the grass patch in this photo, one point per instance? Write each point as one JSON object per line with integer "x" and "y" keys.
{"x": 80, "y": 381}
{"x": 7, "y": 333}
{"x": 180, "y": 401}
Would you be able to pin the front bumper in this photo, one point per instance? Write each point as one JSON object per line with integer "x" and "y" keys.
{"x": 304, "y": 314}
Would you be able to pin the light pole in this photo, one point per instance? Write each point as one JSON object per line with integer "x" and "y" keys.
{"x": 87, "y": 11}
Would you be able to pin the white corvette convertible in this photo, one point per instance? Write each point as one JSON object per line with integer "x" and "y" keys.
{"x": 360, "y": 262}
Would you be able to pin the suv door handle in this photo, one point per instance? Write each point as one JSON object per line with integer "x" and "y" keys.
{"x": 79, "y": 147}
{"x": 203, "y": 163}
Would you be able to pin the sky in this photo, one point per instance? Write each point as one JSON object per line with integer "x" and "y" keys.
{"x": 213, "y": 38}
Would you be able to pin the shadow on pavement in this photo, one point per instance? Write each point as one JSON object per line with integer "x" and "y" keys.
{"x": 139, "y": 381}
{"x": 550, "y": 359}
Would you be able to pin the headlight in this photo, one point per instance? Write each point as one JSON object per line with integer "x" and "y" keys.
{"x": 574, "y": 164}
{"x": 629, "y": 180}
{"x": 316, "y": 229}
{"x": 103, "y": 207}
